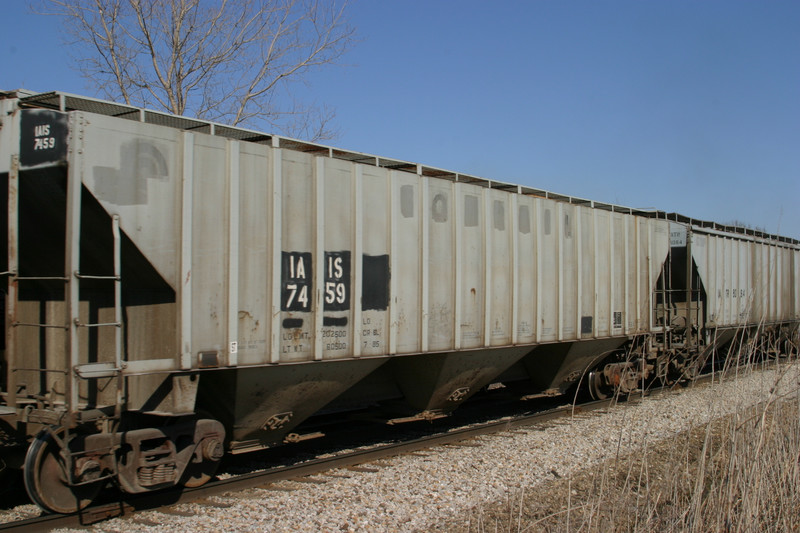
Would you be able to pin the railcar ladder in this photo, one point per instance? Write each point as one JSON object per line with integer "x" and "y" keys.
{"x": 101, "y": 370}
{"x": 73, "y": 370}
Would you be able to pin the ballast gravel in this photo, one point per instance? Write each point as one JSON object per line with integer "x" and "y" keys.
{"x": 431, "y": 489}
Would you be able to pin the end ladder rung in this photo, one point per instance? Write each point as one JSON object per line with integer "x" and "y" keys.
{"x": 102, "y": 324}
{"x": 41, "y": 278}
{"x": 97, "y": 370}
{"x": 53, "y": 370}
{"x": 39, "y": 325}
{"x": 87, "y": 276}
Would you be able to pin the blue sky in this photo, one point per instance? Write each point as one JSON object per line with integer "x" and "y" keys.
{"x": 687, "y": 106}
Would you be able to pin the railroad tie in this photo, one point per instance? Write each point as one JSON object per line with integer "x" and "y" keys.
{"x": 357, "y": 468}
{"x": 206, "y": 502}
{"x": 172, "y": 511}
{"x": 312, "y": 480}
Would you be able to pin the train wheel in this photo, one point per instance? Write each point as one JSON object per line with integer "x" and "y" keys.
{"x": 205, "y": 462}
{"x": 198, "y": 474}
{"x": 46, "y": 479}
{"x": 597, "y": 386}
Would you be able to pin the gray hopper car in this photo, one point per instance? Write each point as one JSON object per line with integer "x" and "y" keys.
{"x": 176, "y": 290}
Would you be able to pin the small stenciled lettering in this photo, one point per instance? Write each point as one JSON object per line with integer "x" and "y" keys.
{"x": 335, "y": 338}
{"x": 336, "y": 346}
{"x": 370, "y": 336}
{"x": 731, "y": 293}
{"x": 42, "y": 139}
{"x": 295, "y": 341}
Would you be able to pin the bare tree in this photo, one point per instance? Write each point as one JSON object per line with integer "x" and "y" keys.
{"x": 230, "y": 61}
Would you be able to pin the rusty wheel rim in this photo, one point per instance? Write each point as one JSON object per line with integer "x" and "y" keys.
{"x": 46, "y": 479}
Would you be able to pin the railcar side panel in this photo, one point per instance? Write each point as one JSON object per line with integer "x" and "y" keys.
{"x": 254, "y": 258}
{"x": 756, "y": 297}
{"x": 796, "y": 282}
{"x": 528, "y": 235}
{"x": 548, "y": 265}
{"x": 731, "y": 281}
{"x": 764, "y": 281}
{"x": 642, "y": 260}
{"x": 743, "y": 284}
{"x": 659, "y": 248}
{"x": 618, "y": 269}
{"x": 371, "y": 265}
{"x": 722, "y": 276}
{"x": 772, "y": 273}
{"x": 702, "y": 257}
{"x": 438, "y": 264}
{"x": 469, "y": 273}
{"x": 717, "y": 277}
{"x": 300, "y": 213}
{"x": 587, "y": 259}
{"x": 747, "y": 281}
{"x": 407, "y": 244}
{"x": 499, "y": 282}
{"x": 776, "y": 283}
{"x": 631, "y": 273}
{"x": 736, "y": 280}
{"x": 602, "y": 274}
{"x": 785, "y": 284}
{"x": 774, "y": 277}
{"x": 335, "y": 260}
{"x": 209, "y": 248}
{"x": 728, "y": 272}
{"x": 569, "y": 270}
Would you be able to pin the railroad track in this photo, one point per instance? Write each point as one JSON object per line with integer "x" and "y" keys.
{"x": 163, "y": 500}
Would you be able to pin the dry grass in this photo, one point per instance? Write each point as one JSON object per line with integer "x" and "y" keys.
{"x": 735, "y": 474}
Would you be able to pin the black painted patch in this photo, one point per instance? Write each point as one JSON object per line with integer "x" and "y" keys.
{"x": 43, "y": 137}
{"x": 586, "y": 324}
{"x": 292, "y": 323}
{"x": 296, "y": 281}
{"x": 334, "y": 321}
{"x": 375, "y": 293}
{"x": 337, "y": 281}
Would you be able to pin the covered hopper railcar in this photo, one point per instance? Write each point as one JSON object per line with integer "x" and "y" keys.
{"x": 177, "y": 290}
